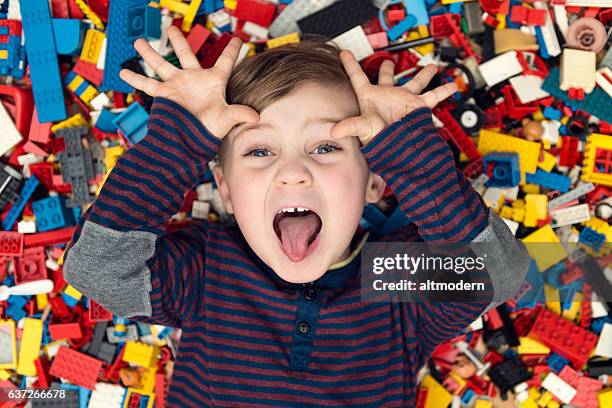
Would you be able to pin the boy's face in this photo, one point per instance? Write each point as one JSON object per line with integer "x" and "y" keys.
{"x": 289, "y": 159}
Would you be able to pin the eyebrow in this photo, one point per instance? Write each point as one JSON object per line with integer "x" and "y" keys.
{"x": 243, "y": 127}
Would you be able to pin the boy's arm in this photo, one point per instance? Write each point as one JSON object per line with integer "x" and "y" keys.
{"x": 119, "y": 255}
{"x": 418, "y": 165}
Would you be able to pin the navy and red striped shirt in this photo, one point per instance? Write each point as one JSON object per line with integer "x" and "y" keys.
{"x": 249, "y": 338}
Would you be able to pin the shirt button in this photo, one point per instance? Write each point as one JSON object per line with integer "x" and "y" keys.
{"x": 303, "y": 327}
{"x": 310, "y": 294}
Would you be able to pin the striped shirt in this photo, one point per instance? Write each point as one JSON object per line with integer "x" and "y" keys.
{"x": 249, "y": 338}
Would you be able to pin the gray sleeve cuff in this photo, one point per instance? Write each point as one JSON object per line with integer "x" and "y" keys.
{"x": 506, "y": 261}
{"x": 110, "y": 267}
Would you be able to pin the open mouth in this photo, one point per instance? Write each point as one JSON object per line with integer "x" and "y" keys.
{"x": 297, "y": 230}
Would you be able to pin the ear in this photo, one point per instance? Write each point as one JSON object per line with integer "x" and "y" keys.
{"x": 375, "y": 188}
{"x": 217, "y": 171}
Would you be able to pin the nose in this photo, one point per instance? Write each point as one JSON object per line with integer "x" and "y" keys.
{"x": 293, "y": 173}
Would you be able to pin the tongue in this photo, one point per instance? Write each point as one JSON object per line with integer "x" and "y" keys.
{"x": 295, "y": 232}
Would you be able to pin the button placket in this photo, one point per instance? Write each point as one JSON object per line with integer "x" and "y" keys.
{"x": 305, "y": 327}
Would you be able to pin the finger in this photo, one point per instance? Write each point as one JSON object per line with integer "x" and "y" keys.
{"x": 236, "y": 114}
{"x": 353, "y": 126}
{"x": 385, "y": 74}
{"x": 227, "y": 59}
{"x": 140, "y": 82}
{"x": 356, "y": 75}
{"x": 437, "y": 95}
{"x": 421, "y": 79}
{"x": 182, "y": 49}
{"x": 160, "y": 66}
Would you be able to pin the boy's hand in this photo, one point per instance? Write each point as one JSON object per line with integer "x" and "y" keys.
{"x": 384, "y": 104}
{"x": 200, "y": 91}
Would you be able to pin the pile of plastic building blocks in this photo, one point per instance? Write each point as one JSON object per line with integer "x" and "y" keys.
{"x": 529, "y": 126}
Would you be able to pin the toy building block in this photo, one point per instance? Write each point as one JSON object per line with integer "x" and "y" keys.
{"x": 563, "y": 337}
{"x": 356, "y": 41}
{"x": 577, "y": 70}
{"x": 457, "y": 134}
{"x": 31, "y": 265}
{"x": 592, "y": 238}
{"x": 140, "y": 354}
{"x": 502, "y": 169}
{"x": 133, "y": 122}
{"x": 8, "y": 345}
{"x": 597, "y": 163}
{"x": 12, "y": 52}
{"x": 570, "y": 215}
{"x": 286, "y": 22}
{"x": 509, "y": 373}
{"x": 30, "y": 346}
{"x": 11, "y": 244}
{"x": 76, "y": 367}
{"x": 44, "y": 68}
{"x": 528, "y": 152}
{"x": 51, "y": 213}
{"x": 65, "y": 331}
{"x": 545, "y": 255}
{"x": 547, "y": 38}
{"x": 28, "y": 188}
{"x": 337, "y": 18}
{"x": 559, "y": 388}
{"x": 125, "y": 25}
{"x": 549, "y": 180}
{"x": 68, "y": 35}
{"x": 107, "y": 395}
{"x": 500, "y": 68}
{"x": 437, "y": 395}
{"x": 10, "y": 134}
{"x": 597, "y": 103}
{"x": 188, "y": 11}
{"x": 81, "y": 88}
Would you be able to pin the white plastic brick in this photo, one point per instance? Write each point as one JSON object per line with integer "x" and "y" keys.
{"x": 604, "y": 345}
{"x": 577, "y": 192}
{"x": 26, "y": 227}
{"x": 356, "y": 41}
{"x": 548, "y": 31}
{"x": 559, "y": 388}
{"x": 255, "y": 30}
{"x": 106, "y": 396}
{"x": 561, "y": 18}
{"x": 500, "y": 68}
{"x": 8, "y": 130}
{"x": 589, "y": 3}
{"x": 528, "y": 88}
{"x": 200, "y": 209}
{"x": 204, "y": 192}
{"x": 570, "y": 215}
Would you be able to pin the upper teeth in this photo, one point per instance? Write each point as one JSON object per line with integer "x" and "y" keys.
{"x": 293, "y": 209}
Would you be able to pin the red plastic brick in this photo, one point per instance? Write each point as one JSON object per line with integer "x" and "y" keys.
{"x": 78, "y": 368}
{"x": 564, "y": 337}
{"x": 31, "y": 265}
{"x": 65, "y": 331}
{"x": 97, "y": 313}
{"x": 256, "y": 11}
{"x": 11, "y": 243}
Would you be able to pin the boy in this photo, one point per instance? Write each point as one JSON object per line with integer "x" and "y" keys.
{"x": 270, "y": 313}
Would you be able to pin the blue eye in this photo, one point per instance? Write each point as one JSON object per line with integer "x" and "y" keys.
{"x": 258, "y": 150}
{"x": 327, "y": 146}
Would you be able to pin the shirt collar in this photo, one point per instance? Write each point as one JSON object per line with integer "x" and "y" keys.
{"x": 337, "y": 276}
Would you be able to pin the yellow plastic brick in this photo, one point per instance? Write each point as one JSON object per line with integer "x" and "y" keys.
{"x": 596, "y": 144}
{"x": 481, "y": 403}
{"x": 128, "y": 396}
{"x": 530, "y": 188}
{"x": 41, "y": 301}
{"x": 506, "y": 212}
{"x": 92, "y": 46}
{"x": 548, "y": 162}
{"x": 437, "y": 395}
{"x": 536, "y": 207}
{"x": 30, "y": 346}
{"x": 547, "y": 255}
{"x": 552, "y": 299}
{"x": 605, "y": 397}
{"x": 72, "y": 292}
{"x": 530, "y": 346}
{"x": 572, "y": 312}
{"x": 285, "y": 39}
{"x": 73, "y": 121}
{"x": 528, "y": 152}
{"x": 545, "y": 399}
{"x": 140, "y": 354}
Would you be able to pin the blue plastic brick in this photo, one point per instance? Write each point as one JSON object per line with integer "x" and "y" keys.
{"x": 210, "y": 6}
{"x": 596, "y": 103}
{"x": 549, "y": 180}
{"x": 15, "y": 312}
{"x": 105, "y": 121}
{"x": 418, "y": 9}
{"x": 467, "y": 396}
{"x": 42, "y": 58}
{"x": 536, "y": 293}
{"x": 455, "y": 8}
{"x": 551, "y": 113}
{"x": 502, "y": 168}
{"x": 51, "y": 213}
{"x": 152, "y": 22}
{"x": 552, "y": 275}
{"x": 592, "y": 238}
{"x": 556, "y": 362}
{"x": 13, "y": 65}
{"x": 126, "y": 23}
{"x": 16, "y": 300}
{"x": 69, "y": 35}
{"x": 15, "y": 211}
{"x": 400, "y": 28}
{"x": 133, "y": 122}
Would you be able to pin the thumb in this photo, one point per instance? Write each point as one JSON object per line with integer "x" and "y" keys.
{"x": 355, "y": 126}
{"x": 236, "y": 114}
